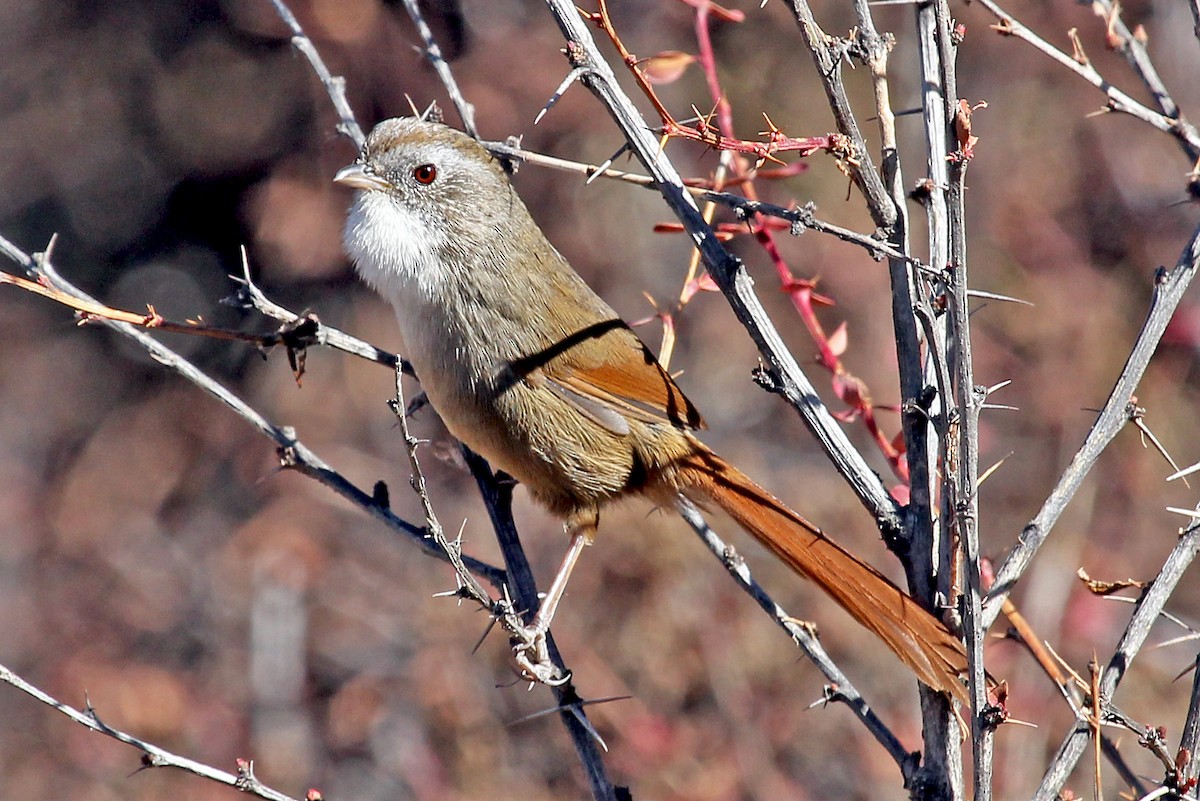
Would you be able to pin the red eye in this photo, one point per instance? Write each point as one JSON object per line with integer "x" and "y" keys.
{"x": 425, "y": 174}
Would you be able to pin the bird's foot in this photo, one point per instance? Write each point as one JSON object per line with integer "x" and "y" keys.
{"x": 532, "y": 656}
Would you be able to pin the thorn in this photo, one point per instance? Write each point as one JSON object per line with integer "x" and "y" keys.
{"x": 572, "y": 76}
{"x": 587, "y": 724}
{"x": 1194, "y": 514}
{"x": 1187, "y": 471}
{"x": 1175, "y": 641}
{"x": 1138, "y": 419}
{"x": 1019, "y": 722}
{"x": 48, "y": 253}
{"x": 979, "y": 293}
{"x": 988, "y": 473}
{"x": 608, "y": 162}
{"x": 487, "y": 630}
{"x": 822, "y": 701}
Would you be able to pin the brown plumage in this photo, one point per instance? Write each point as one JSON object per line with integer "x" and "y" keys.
{"x": 529, "y": 367}
{"x": 915, "y": 636}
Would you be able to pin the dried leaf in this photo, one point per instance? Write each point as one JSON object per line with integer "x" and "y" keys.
{"x": 962, "y": 127}
{"x": 1098, "y": 587}
{"x": 839, "y": 340}
{"x": 667, "y": 67}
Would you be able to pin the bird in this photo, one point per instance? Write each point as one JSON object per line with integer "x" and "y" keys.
{"x": 530, "y": 368}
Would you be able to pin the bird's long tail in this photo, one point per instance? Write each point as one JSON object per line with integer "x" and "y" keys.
{"x": 920, "y": 641}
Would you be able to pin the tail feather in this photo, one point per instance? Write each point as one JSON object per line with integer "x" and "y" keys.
{"x": 920, "y": 641}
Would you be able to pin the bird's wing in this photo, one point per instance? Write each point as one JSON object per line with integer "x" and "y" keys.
{"x": 610, "y": 376}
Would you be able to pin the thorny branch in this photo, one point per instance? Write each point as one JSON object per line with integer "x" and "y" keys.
{"x": 153, "y": 756}
{"x": 1169, "y": 287}
{"x": 704, "y": 132}
{"x": 1147, "y": 611}
{"x": 496, "y": 491}
{"x": 293, "y": 454}
{"x": 783, "y": 373}
{"x": 800, "y": 218}
{"x": 839, "y": 687}
{"x": 335, "y": 85}
{"x": 1184, "y": 132}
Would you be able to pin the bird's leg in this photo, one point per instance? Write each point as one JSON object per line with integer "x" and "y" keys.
{"x": 529, "y": 644}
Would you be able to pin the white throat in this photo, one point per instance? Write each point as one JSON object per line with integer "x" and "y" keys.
{"x": 395, "y": 250}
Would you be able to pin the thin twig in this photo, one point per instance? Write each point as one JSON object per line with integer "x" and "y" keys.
{"x": 1128, "y": 44}
{"x": 839, "y": 687}
{"x": 248, "y": 294}
{"x": 335, "y": 85}
{"x": 1169, "y": 287}
{"x": 783, "y": 374}
{"x": 802, "y": 217}
{"x": 293, "y": 453}
{"x": 468, "y": 586}
{"x": 466, "y": 111}
{"x": 1147, "y": 611}
{"x": 827, "y": 53}
{"x": 1184, "y": 133}
{"x": 153, "y": 756}
{"x": 704, "y": 132}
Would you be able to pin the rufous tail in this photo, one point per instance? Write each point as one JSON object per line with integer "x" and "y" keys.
{"x": 920, "y": 641}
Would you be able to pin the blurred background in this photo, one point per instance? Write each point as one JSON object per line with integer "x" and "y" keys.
{"x": 154, "y": 560}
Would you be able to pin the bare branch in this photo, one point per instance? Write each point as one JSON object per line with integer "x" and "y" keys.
{"x": 802, "y": 217}
{"x": 1185, "y": 134}
{"x": 839, "y": 688}
{"x": 1189, "y": 740}
{"x": 1131, "y": 45}
{"x": 293, "y": 453}
{"x": 783, "y": 375}
{"x": 1169, "y": 287}
{"x": 466, "y": 111}
{"x": 153, "y": 756}
{"x": 249, "y": 295}
{"x": 335, "y": 85}
{"x": 1147, "y": 611}
{"x": 497, "y": 496}
{"x": 827, "y": 53}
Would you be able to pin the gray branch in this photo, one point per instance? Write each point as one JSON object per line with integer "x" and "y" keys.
{"x": 153, "y": 756}
{"x": 1147, "y": 611}
{"x": 1169, "y": 287}
{"x": 783, "y": 373}
{"x": 1185, "y": 134}
{"x": 839, "y": 688}
{"x": 293, "y": 453}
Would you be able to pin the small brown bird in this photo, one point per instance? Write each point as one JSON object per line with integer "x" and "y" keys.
{"x": 531, "y": 369}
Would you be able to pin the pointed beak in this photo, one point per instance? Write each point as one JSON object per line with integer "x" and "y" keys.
{"x": 356, "y": 176}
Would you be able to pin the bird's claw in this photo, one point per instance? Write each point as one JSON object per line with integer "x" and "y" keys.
{"x": 532, "y": 656}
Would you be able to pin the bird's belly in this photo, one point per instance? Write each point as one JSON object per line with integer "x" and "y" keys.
{"x": 566, "y": 460}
